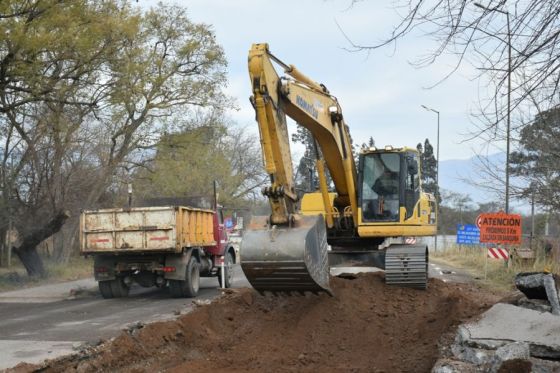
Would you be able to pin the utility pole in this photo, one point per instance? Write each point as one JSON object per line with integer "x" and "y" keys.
{"x": 437, "y": 172}
{"x": 532, "y": 216}
{"x": 508, "y": 124}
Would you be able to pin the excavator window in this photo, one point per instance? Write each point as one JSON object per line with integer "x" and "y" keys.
{"x": 412, "y": 184}
{"x": 381, "y": 186}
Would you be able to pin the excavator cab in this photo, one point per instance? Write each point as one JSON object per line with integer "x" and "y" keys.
{"x": 389, "y": 181}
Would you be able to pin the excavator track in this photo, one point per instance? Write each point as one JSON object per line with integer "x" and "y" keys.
{"x": 407, "y": 265}
{"x": 286, "y": 260}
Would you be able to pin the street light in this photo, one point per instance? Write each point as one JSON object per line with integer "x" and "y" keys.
{"x": 437, "y": 168}
{"x": 508, "y": 95}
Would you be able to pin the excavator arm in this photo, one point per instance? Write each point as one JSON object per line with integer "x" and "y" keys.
{"x": 313, "y": 107}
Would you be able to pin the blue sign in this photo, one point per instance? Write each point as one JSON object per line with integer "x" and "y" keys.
{"x": 228, "y": 223}
{"x": 468, "y": 234}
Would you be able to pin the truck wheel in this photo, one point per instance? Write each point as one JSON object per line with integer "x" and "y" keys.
{"x": 228, "y": 270}
{"x": 105, "y": 289}
{"x": 119, "y": 288}
{"x": 188, "y": 287}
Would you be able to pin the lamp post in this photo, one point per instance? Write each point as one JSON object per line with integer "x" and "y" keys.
{"x": 508, "y": 125}
{"x": 437, "y": 169}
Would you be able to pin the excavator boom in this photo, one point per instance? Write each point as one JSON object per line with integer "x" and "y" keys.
{"x": 288, "y": 251}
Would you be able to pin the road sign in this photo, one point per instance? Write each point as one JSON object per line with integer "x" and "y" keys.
{"x": 468, "y": 234}
{"x": 499, "y": 228}
{"x": 498, "y": 253}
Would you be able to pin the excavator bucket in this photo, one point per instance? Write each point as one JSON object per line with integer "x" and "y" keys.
{"x": 286, "y": 259}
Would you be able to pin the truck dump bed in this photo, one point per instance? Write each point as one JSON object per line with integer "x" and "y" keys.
{"x": 145, "y": 229}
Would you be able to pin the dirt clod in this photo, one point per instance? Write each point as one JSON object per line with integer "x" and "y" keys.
{"x": 367, "y": 326}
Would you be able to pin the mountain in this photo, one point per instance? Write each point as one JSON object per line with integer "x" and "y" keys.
{"x": 461, "y": 175}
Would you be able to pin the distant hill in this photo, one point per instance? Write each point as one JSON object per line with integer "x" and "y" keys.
{"x": 455, "y": 175}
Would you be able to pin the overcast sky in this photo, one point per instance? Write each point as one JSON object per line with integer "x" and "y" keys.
{"x": 380, "y": 93}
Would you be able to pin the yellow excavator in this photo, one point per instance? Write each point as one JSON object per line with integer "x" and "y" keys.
{"x": 365, "y": 222}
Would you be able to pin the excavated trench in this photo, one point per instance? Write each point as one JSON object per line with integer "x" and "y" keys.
{"x": 367, "y": 327}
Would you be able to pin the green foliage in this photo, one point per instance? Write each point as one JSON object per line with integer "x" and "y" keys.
{"x": 429, "y": 169}
{"x": 88, "y": 88}
{"x": 187, "y": 163}
{"x": 306, "y": 177}
{"x": 537, "y": 161}
{"x": 54, "y": 46}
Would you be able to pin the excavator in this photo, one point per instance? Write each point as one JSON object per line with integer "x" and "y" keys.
{"x": 364, "y": 221}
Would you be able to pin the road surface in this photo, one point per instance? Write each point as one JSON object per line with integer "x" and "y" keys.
{"x": 45, "y": 322}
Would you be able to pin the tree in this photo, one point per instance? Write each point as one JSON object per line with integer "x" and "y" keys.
{"x": 86, "y": 90}
{"x": 307, "y": 178}
{"x": 187, "y": 163}
{"x": 370, "y": 143}
{"x": 306, "y": 174}
{"x": 168, "y": 68}
{"x": 51, "y": 57}
{"x": 456, "y": 208}
{"x": 537, "y": 161}
{"x": 480, "y": 37}
{"x": 429, "y": 169}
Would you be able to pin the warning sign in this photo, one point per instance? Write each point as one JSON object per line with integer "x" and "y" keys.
{"x": 499, "y": 228}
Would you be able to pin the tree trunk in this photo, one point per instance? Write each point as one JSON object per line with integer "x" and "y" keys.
{"x": 31, "y": 260}
{"x": 27, "y": 251}
{"x": 71, "y": 231}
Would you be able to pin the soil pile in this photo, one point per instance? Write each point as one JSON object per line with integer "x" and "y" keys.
{"x": 367, "y": 327}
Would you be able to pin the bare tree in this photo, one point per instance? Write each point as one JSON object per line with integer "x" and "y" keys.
{"x": 478, "y": 34}
{"x": 517, "y": 40}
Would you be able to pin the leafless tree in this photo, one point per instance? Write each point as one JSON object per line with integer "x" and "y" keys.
{"x": 479, "y": 34}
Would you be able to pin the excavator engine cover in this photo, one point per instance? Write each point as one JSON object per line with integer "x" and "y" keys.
{"x": 286, "y": 259}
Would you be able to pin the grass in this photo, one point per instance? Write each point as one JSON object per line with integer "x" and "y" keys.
{"x": 493, "y": 273}
{"x": 15, "y": 277}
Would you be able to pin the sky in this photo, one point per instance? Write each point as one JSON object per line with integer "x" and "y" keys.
{"x": 380, "y": 92}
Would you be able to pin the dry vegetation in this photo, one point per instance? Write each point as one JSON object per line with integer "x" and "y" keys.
{"x": 493, "y": 273}
{"x": 15, "y": 277}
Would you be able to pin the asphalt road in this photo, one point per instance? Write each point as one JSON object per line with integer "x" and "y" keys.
{"x": 44, "y": 322}
{"x": 35, "y": 324}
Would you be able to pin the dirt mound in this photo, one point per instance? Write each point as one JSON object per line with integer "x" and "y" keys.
{"x": 367, "y": 326}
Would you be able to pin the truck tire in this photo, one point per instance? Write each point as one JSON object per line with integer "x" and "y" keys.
{"x": 228, "y": 271}
{"x": 189, "y": 287}
{"x": 119, "y": 288}
{"x": 105, "y": 289}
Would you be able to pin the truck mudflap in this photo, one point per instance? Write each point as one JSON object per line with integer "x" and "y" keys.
{"x": 104, "y": 268}
{"x": 286, "y": 259}
{"x": 407, "y": 265}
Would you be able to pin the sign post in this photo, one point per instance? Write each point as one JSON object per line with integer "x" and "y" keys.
{"x": 499, "y": 228}
{"x": 223, "y": 270}
{"x": 486, "y": 266}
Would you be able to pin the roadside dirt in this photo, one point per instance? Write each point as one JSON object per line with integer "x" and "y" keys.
{"x": 367, "y": 327}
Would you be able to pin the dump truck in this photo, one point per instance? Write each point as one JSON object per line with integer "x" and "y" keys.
{"x": 156, "y": 246}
